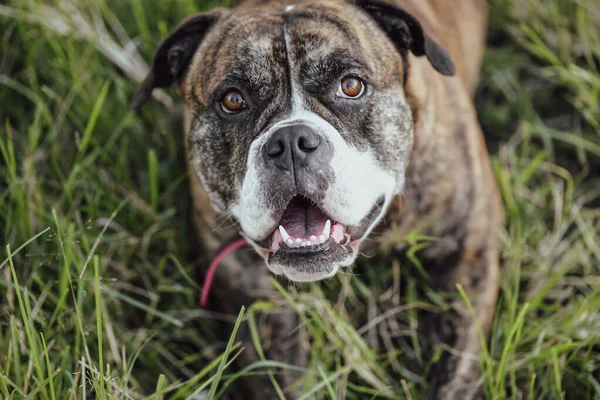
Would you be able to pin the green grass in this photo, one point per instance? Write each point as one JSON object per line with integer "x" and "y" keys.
{"x": 97, "y": 287}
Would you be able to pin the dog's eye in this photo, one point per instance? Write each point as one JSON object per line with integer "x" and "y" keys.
{"x": 351, "y": 87}
{"x": 233, "y": 102}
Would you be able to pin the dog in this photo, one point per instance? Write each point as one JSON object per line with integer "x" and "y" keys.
{"x": 308, "y": 123}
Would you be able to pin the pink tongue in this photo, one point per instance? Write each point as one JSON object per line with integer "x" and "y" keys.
{"x": 302, "y": 219}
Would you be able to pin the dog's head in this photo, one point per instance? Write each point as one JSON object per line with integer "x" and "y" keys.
{"x": 300, "y": 127}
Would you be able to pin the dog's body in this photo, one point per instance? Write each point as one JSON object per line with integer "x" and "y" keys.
{"x": 410, "y": 142}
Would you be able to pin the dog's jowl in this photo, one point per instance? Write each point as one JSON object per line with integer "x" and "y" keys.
{"x": 309, "y": 124}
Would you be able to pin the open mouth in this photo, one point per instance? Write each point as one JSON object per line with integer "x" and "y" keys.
{"x": 305, "y": 229}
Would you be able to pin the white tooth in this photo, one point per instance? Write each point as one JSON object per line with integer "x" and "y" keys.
{"x": 289, "y": 242}
{"x": 321, "y": 238}
{"x": 284, "y": 235}
{"x": 313, "y": 238}
{"x": 308, "y": 243}
{"x": 298, "y": 241}
{"x": 304, "y": 244}
{"x": 327, "y": 229}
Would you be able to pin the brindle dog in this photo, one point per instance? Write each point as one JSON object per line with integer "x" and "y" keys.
{"x": 308, "y": 123}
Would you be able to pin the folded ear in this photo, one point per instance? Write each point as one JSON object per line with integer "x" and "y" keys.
{"x": 407, "y": 34}
{"x": 173, "y": 56}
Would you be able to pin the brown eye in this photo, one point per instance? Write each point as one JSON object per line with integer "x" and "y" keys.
{"x": 351, "y": 87}
{"x": 233, "y": 102}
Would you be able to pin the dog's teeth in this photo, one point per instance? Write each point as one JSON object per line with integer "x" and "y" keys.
{"x": 304, "y": 242}
{"x": 327, "y": 229}
{"x": 284, "y": 235}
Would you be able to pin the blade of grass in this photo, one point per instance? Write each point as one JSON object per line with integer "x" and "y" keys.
{"x": 256, "y": 341}
{"x": 217, "y": 377}
{"x": 65, "y": 273}
{"x": 17, "y": 354}
{"x": 511, "y": 340}
{"x": 89, "y": 128}
{"x": 21, "y": 247}
{"x": 48, "y": 367}
{"x": 142, "y": 306}
{"x": 532, "y": 387}
{"x": 557, "y": 374}
{"x": 97, "y": 296}
{"x": 33, "y": 395}
{"x": 160, "y": 384}
{"x": 3, "y": 387}
{"x": 268, "y": 364}
{"x": 182, "y": 391}
{"x": 211, "y": 379}
{"x": 323, "y": 384}
{"x": 28, "y": 324}
{"x": 153, "y": 178}
{"x": 327, "y": 382}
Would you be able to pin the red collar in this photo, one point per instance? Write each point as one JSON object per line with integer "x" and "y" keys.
{"x": 210, "y": 273}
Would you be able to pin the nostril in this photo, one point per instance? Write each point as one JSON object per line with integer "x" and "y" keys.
{"x": 276, "y": 148}
{"x": 308, "y": 143}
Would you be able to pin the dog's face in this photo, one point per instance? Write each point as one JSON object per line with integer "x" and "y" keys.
{"x": 300, "y": 127}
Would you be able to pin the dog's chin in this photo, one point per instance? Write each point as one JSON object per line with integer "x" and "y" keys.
{"x": 307, "y": 245}
{"x": 296, "y": 275}
{"x": 306, "y": 266}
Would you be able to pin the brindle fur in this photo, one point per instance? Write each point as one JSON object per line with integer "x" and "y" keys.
{"x": 450, "y": 191}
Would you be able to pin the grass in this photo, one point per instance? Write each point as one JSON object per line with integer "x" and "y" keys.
{"x": 97, "y": 288}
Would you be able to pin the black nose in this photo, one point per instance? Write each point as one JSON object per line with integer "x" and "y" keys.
{"x": 293, "y": 146}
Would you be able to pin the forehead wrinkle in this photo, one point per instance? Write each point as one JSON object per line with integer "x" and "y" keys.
{"x": 315, "y": 37}
{"x": 322, "y": 55}
{"x": 249, "y": 44}
{"x": 379, "y": 55}
{"x": 324, "y": 27}
{"x": 253, "y": 61}
{"x": 333, "y": 65}
{"x": 321, "y": 19}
